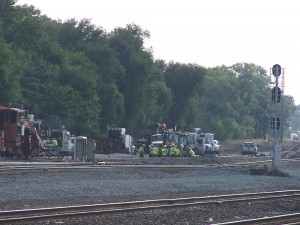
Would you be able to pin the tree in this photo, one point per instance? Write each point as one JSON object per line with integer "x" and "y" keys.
{"x": 112, "y": 105}
{"x": 74, "y": 35}
{"x": 26, "y": 27}
{"x": 295, "y": 119}
{"x": 287, "y": 111}
{"x": 9, "y": 75}
{"x": 109, "y": 72}
{"x": 255, "y": 93}
{"x": 186, "y": 84}
{"x": 138, "y": 64}
{"x": 80, "y": 74}
{"x": 7, "y": 16}
{"x": 233, "y": 103}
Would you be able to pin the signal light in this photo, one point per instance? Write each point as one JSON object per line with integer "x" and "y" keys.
{"x": 276, "y": 70}
{"x": 275, "y": 124}
{"x": 274, "y": 100}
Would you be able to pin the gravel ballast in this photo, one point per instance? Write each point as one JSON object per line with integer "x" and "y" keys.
{"x": 43, "y": 188}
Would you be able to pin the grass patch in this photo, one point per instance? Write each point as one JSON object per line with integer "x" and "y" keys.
{"x": 233, "y": 146}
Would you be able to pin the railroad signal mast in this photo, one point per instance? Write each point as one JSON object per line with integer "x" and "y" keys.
{"x": 277, "y": 85}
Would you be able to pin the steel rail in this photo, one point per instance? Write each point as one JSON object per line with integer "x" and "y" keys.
{"x": 79, "y": 211}
{"x": 283, "y": 219}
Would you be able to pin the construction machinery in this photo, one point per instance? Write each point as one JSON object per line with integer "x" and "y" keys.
{"x": 117, "y": 141}
{"x": 157, "y": 137}
{"x": 18, "y": 135}
{"x": 165, "y": 137}
{"x": 63, "y": 139}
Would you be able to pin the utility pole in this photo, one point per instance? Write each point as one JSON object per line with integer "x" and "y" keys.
{"x": 276, "y": 92}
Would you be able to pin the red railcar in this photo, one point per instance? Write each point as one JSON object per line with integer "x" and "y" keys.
{"x": 18, "y": 136}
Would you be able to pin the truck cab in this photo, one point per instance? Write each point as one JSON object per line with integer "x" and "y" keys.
{"x": 157, "y": 140}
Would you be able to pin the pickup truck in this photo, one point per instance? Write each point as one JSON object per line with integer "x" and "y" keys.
{"x": 248, "y": 147}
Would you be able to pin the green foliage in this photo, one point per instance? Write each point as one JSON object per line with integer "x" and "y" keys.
{"x": 238, "y": 96}
{"x": 7, "y": 15}
{"x": 138, "y": 66}
{"x": 9, "y": 75}
{"x": 26, "y": 31}
{"x": 186, "y": 83}
{"x": 112, "y": 103}
{"x": 288, "y": 111}
{"x": 295, "y": 119}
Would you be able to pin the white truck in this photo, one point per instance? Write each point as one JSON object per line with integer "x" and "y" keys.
{"x": 204, "y": 141}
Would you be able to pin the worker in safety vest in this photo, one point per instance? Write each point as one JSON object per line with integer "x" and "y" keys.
{"x": 172, "y": 151}
{"x": 164, "y": 151}
{"x": 142, "y": 151}
{"x": 54, "y": 144}
{"x": 150, "y": 150}
{"x": 192, "y": 153}
{"x": 153, "y": 151}
{"x": 177, "y": 152}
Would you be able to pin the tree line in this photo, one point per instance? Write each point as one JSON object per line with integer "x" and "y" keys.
{"x": 77, "y": 74}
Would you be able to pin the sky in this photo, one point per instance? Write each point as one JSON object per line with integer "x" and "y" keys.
{"x": 205, "y": 32}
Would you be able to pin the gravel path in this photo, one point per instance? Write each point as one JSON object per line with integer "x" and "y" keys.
{"x": 119, "y": 182}
{"x": 68, "y": 187}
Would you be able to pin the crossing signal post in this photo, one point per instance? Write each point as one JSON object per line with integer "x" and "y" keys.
{"x": 276, "y": 97}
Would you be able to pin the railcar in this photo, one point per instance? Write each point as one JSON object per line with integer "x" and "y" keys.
{"x": 18, "y": 136}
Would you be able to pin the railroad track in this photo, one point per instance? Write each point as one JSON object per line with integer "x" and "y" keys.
{"x": 105, "y": 165}
{"x": 30, "y": 216}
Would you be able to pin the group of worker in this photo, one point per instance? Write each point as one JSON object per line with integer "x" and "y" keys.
{"x": 164, "y": 151}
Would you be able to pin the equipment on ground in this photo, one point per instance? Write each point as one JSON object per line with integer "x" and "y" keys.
{"x": 83, "y": 149}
